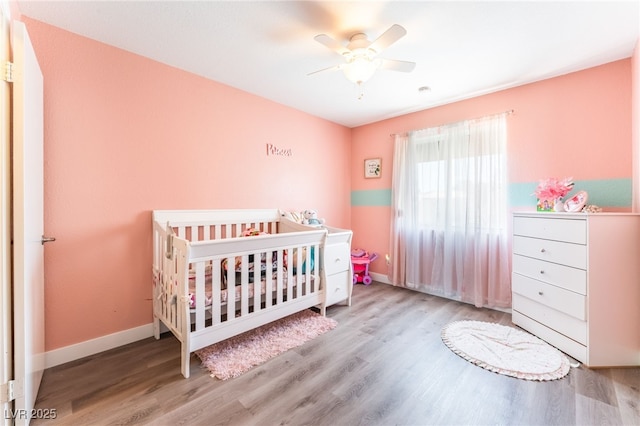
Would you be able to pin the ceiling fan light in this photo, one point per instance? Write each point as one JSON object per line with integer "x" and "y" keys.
{"x": 360, "y": 69}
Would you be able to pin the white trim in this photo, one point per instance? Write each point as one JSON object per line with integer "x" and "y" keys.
{"x": 99, "y": 344}
{"x": 381, "y": 278}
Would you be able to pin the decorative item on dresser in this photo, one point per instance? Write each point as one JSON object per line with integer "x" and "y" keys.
{"x": 576, "y": 283}
{"x": 550, "y": 193}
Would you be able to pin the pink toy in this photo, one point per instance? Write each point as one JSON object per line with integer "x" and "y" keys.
{"x": 360, "y": 260}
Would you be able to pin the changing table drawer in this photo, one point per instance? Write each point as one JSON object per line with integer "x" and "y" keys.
{"x": 337, "y": 258}
{"x": 338, "y": 289}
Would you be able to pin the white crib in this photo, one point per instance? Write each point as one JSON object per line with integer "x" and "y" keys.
{"x": 211, "y": 283}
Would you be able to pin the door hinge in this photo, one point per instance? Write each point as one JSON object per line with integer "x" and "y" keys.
{"x": 7, "y": 72}
{"x": 10, "y": 390}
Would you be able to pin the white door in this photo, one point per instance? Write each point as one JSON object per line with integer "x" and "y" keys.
{"x": 28, "y": 221}
{"x": 5, "y": 223}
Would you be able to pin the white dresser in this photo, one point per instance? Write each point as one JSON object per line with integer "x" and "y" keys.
{"x": 576, "y": 283}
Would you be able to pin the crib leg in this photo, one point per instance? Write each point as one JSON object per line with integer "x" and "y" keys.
{"x": 156, "y": 327}
{"x": 185, "y": 361}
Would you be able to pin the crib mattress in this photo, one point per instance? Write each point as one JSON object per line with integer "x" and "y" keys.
{"x": 208, "y": 293}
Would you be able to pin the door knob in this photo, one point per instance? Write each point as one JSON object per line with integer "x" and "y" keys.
{"x": 47, "y": 239}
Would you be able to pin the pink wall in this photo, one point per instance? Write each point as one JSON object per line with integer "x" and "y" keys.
{"x": 575, "y": 125}
{"x": 125, "y": 135}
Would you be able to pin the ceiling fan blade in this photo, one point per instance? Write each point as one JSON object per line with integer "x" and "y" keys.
{"x": 393, "y": 65}
{"x": 393, "y": 34}
{"x": 331, "y": 44}
{"x": 333, "y": 68}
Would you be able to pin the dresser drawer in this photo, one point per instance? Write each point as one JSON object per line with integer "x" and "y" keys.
{"x": 560, "y": 341}
{"x": 568, "y": 230}
{"x": 569, "y": 254}
{"x": 337, "y": 287}
{"x": 566, "y": 301}
{"x": 565, "y": 324}
{"x": 337, "y": 258}
{"x": 573, "y": 279}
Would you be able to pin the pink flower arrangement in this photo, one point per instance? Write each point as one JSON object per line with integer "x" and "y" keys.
{"x": 551, "y": 189}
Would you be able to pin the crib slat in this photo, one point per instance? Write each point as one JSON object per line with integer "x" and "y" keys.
{"x": 290, "y": 276}
{"x": 257, "y": 279}
{"x": 199, "y": 295}
{"x": 216, "y": 290}
{"x": 244, "y": 284}
{"x": 268, "y": 286}
{"x": 231, "y": 289}
{"x": 307, "y": 271}
{"x": 280, "y": 281}
{"x": 316, "y": 274}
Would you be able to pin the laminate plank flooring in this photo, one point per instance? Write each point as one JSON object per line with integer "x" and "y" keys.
{"x": 385, "y": 364}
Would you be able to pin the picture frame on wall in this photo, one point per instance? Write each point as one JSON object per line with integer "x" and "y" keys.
{"x": 372, "y": 168}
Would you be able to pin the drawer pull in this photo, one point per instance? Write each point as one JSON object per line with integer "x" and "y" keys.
{"x": 542, "y": 250}
{"x": 337, "y": 259}
{"x": 542, "y": 272}
{"x": 540, "y": 293}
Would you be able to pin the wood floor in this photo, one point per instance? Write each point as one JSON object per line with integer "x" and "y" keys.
{"x": 384, "y": 364}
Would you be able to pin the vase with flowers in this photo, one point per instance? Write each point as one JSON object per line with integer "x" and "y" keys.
{"x": 550, "y": 193}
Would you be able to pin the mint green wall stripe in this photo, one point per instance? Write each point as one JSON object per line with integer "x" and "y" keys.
{"x": 608, "y": 192}
{"x": 372, "y": 197}
{"x": 520, "y": 194}
{"x": 602, "y": 192}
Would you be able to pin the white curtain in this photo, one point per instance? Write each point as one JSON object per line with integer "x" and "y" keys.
{"x": 449, "y": 212}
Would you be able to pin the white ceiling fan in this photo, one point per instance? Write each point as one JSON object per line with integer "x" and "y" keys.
{"x": 361, "y": 55}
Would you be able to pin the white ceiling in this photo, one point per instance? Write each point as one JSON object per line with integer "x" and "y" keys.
{"x": 462, "y": 49}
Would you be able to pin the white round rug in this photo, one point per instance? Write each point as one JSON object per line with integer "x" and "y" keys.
{"x": 505, "y": 350}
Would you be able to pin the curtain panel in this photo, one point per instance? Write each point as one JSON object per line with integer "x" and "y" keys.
{"x": 449, "y": 212}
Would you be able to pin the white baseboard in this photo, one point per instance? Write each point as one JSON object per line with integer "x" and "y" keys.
{"x": 381, "y": 278}
{"x": 111, "y": 341}
{"x": 94, "y": 346}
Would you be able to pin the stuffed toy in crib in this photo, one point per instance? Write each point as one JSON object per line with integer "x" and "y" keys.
{"x": 311, "y": 218}
{"x": 294, "y": 260}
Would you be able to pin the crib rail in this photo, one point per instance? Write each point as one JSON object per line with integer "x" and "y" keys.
{"x": 202, "y": 225}
{"x": 233, "y": 278}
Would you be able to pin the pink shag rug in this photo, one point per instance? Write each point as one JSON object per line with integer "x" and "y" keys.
{"x": 505, "y": 350}
{"x": 236, "y": 355}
